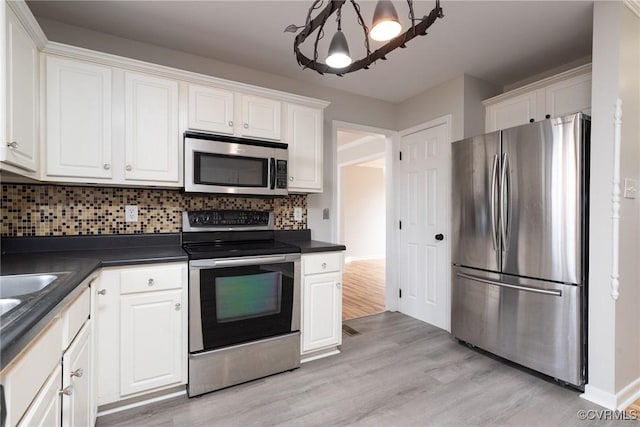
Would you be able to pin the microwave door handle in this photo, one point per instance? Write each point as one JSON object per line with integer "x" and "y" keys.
{"x": 272, "y": 173}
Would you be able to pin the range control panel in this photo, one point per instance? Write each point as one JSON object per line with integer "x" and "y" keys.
{"x": 225, "y": 219}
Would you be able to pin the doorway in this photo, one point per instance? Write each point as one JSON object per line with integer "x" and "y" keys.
{"x": 362, "y": 220}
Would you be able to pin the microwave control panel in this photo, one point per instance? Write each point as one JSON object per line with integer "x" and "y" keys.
{"x": 281, "y": 174}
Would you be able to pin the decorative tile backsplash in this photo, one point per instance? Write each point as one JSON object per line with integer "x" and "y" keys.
{"x": 52, "y": 210}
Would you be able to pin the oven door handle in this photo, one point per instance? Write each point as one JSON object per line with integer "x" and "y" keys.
{"x": 235, "y": 262}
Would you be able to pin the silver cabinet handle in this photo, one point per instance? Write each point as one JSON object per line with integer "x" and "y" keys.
{"x": 324, "y": 265}
{"x": 246, "y": 125}
{"x": 102, "y": 292}
{"x": 77, "y": 373}
{"x": 178, "y": 306}
{"x": 67, "y": 391}
{"x": 12, "y": 144}
{"x": 506, "y": 285}
{"x": 128, "y": 167}
{"x": 151, "y": 282}
{"x": 107, "y": 166}
{"x": 338, "y": 285}
{"x": 230, "y": 123}
{"x": 290, "y": 178}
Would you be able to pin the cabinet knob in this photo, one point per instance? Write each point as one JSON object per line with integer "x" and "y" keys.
{"x": 107, "y": 166}
{"x": 178, "y": 306}
{"x": 246, "y": 126}
{"x": 77, "y": 373}
{"x": 324, "y": 265}
{"x": 338, "y": 285}
{"x": 230, "y": 123}
{"x": 290, "y": 178}
{"x": 531, "y": 120}
{"x": 151, "y": 282}
{"x": 12, "y": 144}
{"x": 67, "y": 391}
{"x": 128, "y": 167}
{"x": 102, "y": 292}
{"x": 548, "y": 116}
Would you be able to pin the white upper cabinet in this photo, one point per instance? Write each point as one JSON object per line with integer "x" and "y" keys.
{"x": 261, "y": 117}
{"x": 565, "y": 93}
{"x": 152, "y": 139}
{"x": 304, "y": 136}
{"x": 20, "y": 147}
{"x": 78, "y": 125}
{"x": 210, "y": 109}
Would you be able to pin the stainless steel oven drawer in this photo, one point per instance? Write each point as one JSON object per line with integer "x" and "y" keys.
{"x": 533, "y": 323}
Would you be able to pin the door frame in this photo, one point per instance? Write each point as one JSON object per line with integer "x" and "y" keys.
{"x": 394, "y": 236}
{"x": 391, "y": 138}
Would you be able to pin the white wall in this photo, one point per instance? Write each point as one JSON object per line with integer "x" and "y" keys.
{"x": 363, "y": 212}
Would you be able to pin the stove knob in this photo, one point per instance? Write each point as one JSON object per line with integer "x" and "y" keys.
{"x": 206, "y": 219}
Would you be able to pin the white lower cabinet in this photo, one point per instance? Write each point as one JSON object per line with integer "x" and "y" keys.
{"x": 47, "y": 406}
{"x": 77, "y": 409}
{"x": 321, "y": 303}
{"x": 141, "y": 330}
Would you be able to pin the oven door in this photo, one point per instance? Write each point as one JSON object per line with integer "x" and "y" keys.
{"x": 224, "y": 167}
{"x": 238, "y": 300}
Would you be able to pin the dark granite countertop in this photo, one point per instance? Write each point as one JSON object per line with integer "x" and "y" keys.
{"x": 81, "y": 256}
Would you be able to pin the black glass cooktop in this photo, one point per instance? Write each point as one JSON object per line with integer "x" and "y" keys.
{"x": 238, "y": 249}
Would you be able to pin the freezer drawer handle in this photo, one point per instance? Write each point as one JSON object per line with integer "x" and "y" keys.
{"x": 505, "y": 285}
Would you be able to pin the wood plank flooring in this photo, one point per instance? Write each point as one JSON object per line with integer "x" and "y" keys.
{"x": 363, "y": 288}
{"x": 397, "y": 372}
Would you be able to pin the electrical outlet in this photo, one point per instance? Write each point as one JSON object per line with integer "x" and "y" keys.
{"x": 297, "y": 214}
{"x": 131, "y": 213}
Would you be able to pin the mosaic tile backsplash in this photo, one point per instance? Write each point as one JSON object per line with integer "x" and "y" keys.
{"x": 52, "y": 210}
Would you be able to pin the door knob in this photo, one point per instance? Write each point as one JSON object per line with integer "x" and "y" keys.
{"x": 12, "y": 144}
{"x": 439, "y": 237}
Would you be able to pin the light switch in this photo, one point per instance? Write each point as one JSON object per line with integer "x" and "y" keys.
{"x": 630, "y": 188}
{"x": 325, "y": 213}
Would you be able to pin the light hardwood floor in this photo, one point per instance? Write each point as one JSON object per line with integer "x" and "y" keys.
{"x": 363, "y": 288}
{"x": 397, "y": 372}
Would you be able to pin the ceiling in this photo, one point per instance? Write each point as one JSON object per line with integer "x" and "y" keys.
{"x": 498, "y": 41}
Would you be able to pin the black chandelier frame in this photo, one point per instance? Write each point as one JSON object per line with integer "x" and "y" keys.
{"x": 418, "y": 27}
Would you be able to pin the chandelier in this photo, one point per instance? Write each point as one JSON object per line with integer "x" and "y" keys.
{"x": 385, "y": 27}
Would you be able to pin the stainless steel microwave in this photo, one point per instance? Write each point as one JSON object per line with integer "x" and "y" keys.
{"x": 229, "y": 165}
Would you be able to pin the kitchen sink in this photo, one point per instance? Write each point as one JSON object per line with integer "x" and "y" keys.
{"x": 6, "y": 304}
{"x": 23, "y": 284}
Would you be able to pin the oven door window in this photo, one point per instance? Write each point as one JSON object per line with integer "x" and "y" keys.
{"x": 230, "y": 171}
{"x": 242, "y": 304}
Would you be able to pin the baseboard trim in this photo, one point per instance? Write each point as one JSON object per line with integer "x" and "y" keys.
{"x": 599, "y": 397}
{"x": 629, "y": 394}
{"x": 319, "y": 355}
{"x": 142, "y": 403}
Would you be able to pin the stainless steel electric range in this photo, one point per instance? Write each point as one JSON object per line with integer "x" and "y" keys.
{"x": 244, "y": 299}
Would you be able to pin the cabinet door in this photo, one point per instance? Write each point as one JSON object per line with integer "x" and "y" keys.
{"x": 77, "y": 380}
{"x": 151, "y": 349}
{"x": 210, "y": 109}
{"x": 569, "y": 96}
{"x": 321, "y": 311}
{"x": 22, "y": 97}
{"x": 106, "y": 314}
{"x": 304, "y": 136}
{"x": 47, "y": 406}
{"x": 511, "y": 112}
{"x": 260, "y": 117}
{"x": 78, "y": 142}
{"x": 152, "y": 140}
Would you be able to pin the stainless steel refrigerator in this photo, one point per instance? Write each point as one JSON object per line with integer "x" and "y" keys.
{"x": 519, "y": 244}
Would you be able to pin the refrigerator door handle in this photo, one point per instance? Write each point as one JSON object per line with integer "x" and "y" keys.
{"x": 506, "y": 285}
{"x": 494, "y": 181}
{"x": 505, "y": 192}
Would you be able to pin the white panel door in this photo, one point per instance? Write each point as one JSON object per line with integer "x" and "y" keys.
{"x": 322, "y": 311}
{"x": 304, "y": 136}
{"x": 152, "y": 139}
{"x": 424, "y": 215}
{"x": 77, "y": 379}
{"x": 78, "y": 110}
{"x": 260, "y": 117}
{"x": 46, "y": 408}
{"x": 512, "y": 112}
{"x": 22, "y": 97}
{"x": 210, "y": 109}
{"x": 151, "y": 349}
{"x": 569, "y": 96}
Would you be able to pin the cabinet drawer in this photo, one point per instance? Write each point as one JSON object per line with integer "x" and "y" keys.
{"x": 321, "y": 263}
{"x": 74, "y": 316}
{"x": 145, "y": 279}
